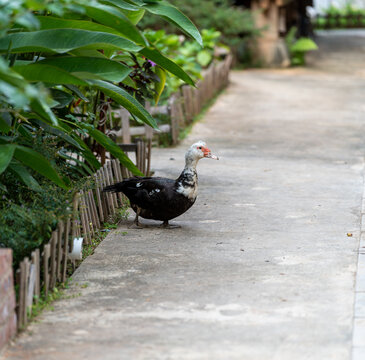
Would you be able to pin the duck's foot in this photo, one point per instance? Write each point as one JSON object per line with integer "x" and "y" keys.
{"x": 166, "y": 225}
{"x": 136, "y": 224}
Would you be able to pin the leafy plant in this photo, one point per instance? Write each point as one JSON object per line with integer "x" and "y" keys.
{"x": 189, "y": 55}
{"x": 63, "y": 63}
{"x": 63, "y": 66}
{"x": 298, "y": 48}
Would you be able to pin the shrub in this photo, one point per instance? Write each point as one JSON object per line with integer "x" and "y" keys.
{"x": 298, "y": 47}
{"x": 233, "y": 22}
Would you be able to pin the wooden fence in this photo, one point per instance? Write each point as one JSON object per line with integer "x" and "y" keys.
{"x": 45, "y": 268}
{"x": 182, "y": 107}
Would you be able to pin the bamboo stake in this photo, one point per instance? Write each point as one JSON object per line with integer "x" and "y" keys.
{"x": 30, "y": 288}
{"x": 105, "y": 195}
{"x": 84, "y": 220}
{"x": 89, "y": 215}
{"x": 93, "y": 209}
{"x": 109, "y": 195}
{"x": 149, "y": 149}
{"x": 98, "y": 197}
{"x": 21, "y": 304}
{"x": 35, "y": 262}
{"x": 112, "y": 181}
{"x": 118, "y": 178}
{"x": 59, "y": 249}
{"x": 46, "y": 255}
{"x": 66, "y": 236}
{"x": 53, "y": 259}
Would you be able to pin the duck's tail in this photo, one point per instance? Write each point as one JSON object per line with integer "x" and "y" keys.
{"x": 118, "y": 187}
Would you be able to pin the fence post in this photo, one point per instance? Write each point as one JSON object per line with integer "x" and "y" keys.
{"x": 35, "y": 261}
{"x": 65, "y": 249}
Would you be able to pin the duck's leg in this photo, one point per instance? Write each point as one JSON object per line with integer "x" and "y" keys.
{"x": 136, "y": 223}
{"x": 166, "y": 225}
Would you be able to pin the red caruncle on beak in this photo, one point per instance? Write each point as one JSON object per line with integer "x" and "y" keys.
{"x": 206, "y": 151}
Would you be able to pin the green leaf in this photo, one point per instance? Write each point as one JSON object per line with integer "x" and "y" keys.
{"x": 204, "y": 57}
{"x": 49, "y": 22}
{"x": 21, "y": 94}
{"x": 63, "y": 41}
{"x": 86, "y": 152}
{"x": 48, "y": 73}
{"x": 113, "y": 148}
{"x": 159, "y": 86}
{"x": 5, "y": 122}
{"x": 167, "y": 64}
{"x": 58, "y": 131}
{"x": 122, "y": 4}
{"x": 24, "y": 175}
{"x": 112, "y": 17}
{"x": 173, "y": 15}
{"x": 303, "y": 45}
{"x": 104, "y": 68}
{"x": 126, "y": 100}
{"x": 6, "y": 154}
{"x": 134, "y": 16}
{"x": 76, "y": 91}
{"x": 43, "y": 110}
{"x": 38, "y": 163}
{"x": 133, "y": 12}
{"x": 63, "y": 98}
{"x": 78, "y": 162}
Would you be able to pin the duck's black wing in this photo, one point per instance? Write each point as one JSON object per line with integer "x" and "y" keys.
{"x": 146, "y": 192}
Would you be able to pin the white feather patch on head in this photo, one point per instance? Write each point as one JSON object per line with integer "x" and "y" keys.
{"x": 138, "y": 184}
{"x": 199, "y": 143}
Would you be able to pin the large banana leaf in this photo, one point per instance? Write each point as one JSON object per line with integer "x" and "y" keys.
{"x": 29, "y": 95}
{"x": 134, "y": 16}
{"x": 159, "y": 86}
{"x": 126, "y": 100}
{"x": 110, "y": 146}
{"x": 122, "y": 4}
{"x": 40, "y": 108}
{"x": 63, "y": 41}
{"x": 112, "y": 17}
{"x": 49, "y": 22}
{"x": 48, "y": 73}
{"x": 38, "y": 163}
{"x": 167, "y": 64}
{"x": 132, "y": 12}
{"x": 173, "y": 15}
{"x": 104, "y": 68}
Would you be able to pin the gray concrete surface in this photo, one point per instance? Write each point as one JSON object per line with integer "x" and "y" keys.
{"x": 262, "y": 268}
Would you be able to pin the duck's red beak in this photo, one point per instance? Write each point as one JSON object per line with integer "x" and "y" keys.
{"x": 208, "y": 154}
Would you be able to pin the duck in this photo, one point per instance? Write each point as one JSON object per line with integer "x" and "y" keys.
{"x": 163, "y": 199}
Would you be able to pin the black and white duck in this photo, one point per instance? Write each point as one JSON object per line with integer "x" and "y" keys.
{"x": 161, "y": 198}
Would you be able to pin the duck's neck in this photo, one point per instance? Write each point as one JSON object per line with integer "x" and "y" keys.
{"x": 188, "y": 180}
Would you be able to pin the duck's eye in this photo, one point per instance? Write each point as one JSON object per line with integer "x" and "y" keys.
{"x": 200, "y": 147}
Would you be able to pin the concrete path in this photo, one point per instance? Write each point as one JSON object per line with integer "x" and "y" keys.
{"x": 265, "y": 263}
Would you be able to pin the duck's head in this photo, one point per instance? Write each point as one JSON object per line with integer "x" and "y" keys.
{"x": 198, "y": 151}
